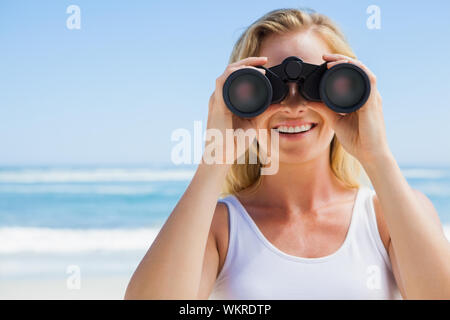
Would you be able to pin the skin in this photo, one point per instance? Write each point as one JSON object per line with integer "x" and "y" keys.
{"x": 303, "y": 198}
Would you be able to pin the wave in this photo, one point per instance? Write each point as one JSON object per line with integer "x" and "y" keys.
{"x": 144, "y": 175}
{"x": 419, "y": 173}
{"x": 435, "y": 189}
{"x": 84, "y": 189}
{"x": 46, "y": 240}
{"x": 92, "y": 175}
{"x": 15, "y": 240}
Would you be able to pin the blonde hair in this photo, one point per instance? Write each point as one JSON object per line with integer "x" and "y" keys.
{"x": 345, "y": 167}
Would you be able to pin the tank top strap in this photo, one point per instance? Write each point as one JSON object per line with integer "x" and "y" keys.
{"x": 233, "y": 216}
{"x": 370, "y": 226}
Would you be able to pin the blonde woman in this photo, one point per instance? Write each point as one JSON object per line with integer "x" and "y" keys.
{"x": 310, "y": 231}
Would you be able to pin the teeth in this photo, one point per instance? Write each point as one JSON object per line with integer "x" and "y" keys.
{"x": 296, "y": 129}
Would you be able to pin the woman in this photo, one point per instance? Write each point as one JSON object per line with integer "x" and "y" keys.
{"x": 310, "y": 231}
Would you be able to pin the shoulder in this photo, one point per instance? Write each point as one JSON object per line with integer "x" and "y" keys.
{"x": 219, "y": 223}
{"x": 426, "y": 202}
{"x": 381, "y": 221}
{"x": 220, "y": 230}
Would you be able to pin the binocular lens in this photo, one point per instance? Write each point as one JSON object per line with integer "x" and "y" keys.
{"x": 345, "y": 87}
{"x": 248, "y": 93}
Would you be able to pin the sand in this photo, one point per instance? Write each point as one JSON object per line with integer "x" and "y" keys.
{"x": 92, "y": 288}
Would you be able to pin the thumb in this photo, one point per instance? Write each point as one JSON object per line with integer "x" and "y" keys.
{"x": 242, "y": 123}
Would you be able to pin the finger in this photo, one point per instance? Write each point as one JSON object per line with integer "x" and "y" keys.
{"x": 334, "y": 63}
{"x": 249, "y": 61}
{"x": 222, "y": 78}
{"x": 251, "y": 67}
{"x": 335, "y": 57}
{"x": 233, "y": 69}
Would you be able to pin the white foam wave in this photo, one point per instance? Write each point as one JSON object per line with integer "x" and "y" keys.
{"x": 46, "y": 240}
{"x": 142, "y": 174}
{"x": 93, "y": 175}
{"x": 433, "y": 188}
{"x": 79, "y": 189}
{"x": 447, "y": 231}
{"x": 419, "y": 173}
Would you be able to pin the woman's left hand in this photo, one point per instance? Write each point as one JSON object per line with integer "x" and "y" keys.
{"x": 362, "y": 133}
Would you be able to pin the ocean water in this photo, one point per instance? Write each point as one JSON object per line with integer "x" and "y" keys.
{"x": 104, "y": 219}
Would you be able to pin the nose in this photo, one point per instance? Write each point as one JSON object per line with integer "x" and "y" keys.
{"x": 294, "y": 99}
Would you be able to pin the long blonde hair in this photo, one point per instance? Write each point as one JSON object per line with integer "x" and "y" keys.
{"x": 346, "y": 168}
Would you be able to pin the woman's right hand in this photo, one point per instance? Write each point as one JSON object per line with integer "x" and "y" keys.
{"x": 219, "y": 116}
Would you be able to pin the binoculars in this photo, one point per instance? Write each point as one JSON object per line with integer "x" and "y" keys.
{"x": 343, "y": 88}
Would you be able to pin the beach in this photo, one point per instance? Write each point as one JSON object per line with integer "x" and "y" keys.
{"x": 79, "y": 233}
{"x": 92, "y": 288}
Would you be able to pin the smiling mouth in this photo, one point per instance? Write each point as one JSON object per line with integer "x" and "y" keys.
{"x": 293, "y": 130}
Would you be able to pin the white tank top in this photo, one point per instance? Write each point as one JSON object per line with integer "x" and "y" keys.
{"x": 255, "y": 269}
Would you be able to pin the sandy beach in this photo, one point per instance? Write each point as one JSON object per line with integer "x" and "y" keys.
{"x": 92, "y": 288}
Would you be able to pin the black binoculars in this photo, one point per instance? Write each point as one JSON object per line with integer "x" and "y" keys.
{"x": 343, "y": 88}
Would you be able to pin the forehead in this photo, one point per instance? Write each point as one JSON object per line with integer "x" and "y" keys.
{"x": 306, "y": 45}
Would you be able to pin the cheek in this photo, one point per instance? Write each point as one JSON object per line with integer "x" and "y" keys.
{"x": 261, "y": 121}
{"x": 326, "y": 130}
{"x": 325, "y": 134}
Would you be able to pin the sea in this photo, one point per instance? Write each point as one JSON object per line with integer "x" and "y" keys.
{"x": 102, "y": 219}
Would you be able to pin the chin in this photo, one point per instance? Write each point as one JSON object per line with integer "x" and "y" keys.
{"x": 296, "y": 156}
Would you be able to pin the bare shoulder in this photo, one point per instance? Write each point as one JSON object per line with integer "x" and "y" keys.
{"x": 212, "y": 261}
{"x": 427, "y": 205}
{"x": 381, "y": 223}
{"x": 219, "y": 229}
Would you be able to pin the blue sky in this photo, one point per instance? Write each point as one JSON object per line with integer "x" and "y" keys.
{"x": 113, "y": 91}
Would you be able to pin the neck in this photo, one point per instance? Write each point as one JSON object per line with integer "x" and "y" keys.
{"x": 301, "y": 186}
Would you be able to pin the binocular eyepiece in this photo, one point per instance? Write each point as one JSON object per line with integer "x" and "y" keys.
{"x": 344, "y": 88}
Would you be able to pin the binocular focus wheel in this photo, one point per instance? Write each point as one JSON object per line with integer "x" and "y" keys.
{"x": 247, "y": 92}
{"x": 344, "y": 88}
